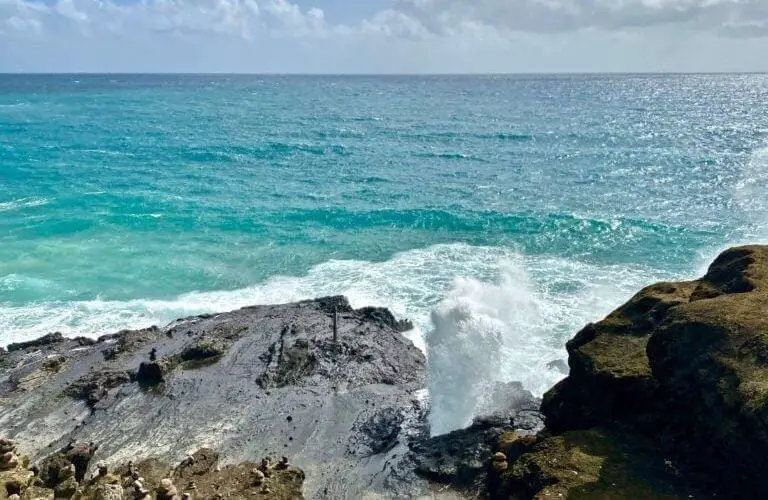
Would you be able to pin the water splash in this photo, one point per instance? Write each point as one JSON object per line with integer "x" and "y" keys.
{"x": 511, "y": 329}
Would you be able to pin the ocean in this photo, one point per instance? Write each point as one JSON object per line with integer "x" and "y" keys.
{"x": 499, "y": 213}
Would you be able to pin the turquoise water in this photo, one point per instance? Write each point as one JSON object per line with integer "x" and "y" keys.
{"x": 510, "y": 208}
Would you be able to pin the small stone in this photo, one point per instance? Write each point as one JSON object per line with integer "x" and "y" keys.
{"x": 499, "y": 457}
{"x": 258, "y": 477}
{"x": 500, "y": 466}
{"x": 166, "y": 490}
{"x": 7, "y": 445}
{"x": 102, "y": 468}
{"x": 9, "y": 461}
{"x": 67, "y": 472}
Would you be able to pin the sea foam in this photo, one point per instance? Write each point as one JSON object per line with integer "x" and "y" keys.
{"x": 482, "y": 314}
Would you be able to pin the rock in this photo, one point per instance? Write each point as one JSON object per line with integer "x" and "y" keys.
{"x": 127, "y": 342}
{"x": 6, "y": 445}
{"x": 500, "y": 466}
{"x": 378, "y": 433}
{"x": 258, "y": 477}
{"x": 710, "y": 357}
{"x": 166, "y": 490}
{"x": 203, "y": 352}
{"x": 46, "y": 341}
{"x": 153, "y": 373}
{"x": 108, "y": 492}
{"x": 38, "y": 493}
{"x": 610, "y": 377}
{"x": 270, "y": 362}
{"x": 66, "y": 488}
{"x": 8, "y": 460}
{"x": 201, "y": 462}
{"x": 102, "y": 469}
{"x": 684, "y": 365}
{"x": 458, "y": 459}
{"x": 95, "y": 386}
{"x": 80, "y": 454}
{"x": 54, "y": 469}
{"x": 592, "y": 464}
{"x": 384, "y": 316}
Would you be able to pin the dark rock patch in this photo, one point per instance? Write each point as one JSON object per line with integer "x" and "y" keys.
{"x": 153, "y": 373}
{"x": 44, "y": 341}
{"x": 95, "y": 386}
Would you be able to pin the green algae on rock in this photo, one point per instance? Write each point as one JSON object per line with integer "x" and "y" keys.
{"x": 684, "y": 365}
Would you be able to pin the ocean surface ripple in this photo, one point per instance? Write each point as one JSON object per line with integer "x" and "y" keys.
{"x": 500, "y": 213}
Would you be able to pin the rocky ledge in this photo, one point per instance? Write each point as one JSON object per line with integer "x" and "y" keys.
{"x": 333, "y": 389}
{"x": 667, "y": 398}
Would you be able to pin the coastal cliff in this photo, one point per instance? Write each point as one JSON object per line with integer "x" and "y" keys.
{"x": 667, "y": 397}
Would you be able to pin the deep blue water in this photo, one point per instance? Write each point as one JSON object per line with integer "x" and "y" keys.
{"x": 127, "y": 200}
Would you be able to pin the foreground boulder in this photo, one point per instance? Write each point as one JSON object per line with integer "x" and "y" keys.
{"x": 684, "y": 365}
{"x": 260, "y": 381}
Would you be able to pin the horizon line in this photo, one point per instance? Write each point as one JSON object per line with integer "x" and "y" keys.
{"x": 319, "y": 74}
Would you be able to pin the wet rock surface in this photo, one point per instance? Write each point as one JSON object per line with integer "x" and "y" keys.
{"x": 463, "y": 459}
{"x": 260, "y": 381}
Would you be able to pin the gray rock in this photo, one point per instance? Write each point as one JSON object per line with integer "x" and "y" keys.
{"x": 260, "y": 381}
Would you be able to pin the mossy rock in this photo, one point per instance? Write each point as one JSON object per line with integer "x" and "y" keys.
{"x": 710, "y": 357}
{"x": 610, "y": 376}
{"x": 592, "y": 464}
{"x": 684, "y": 364}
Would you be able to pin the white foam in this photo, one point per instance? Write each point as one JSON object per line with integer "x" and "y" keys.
{"x": 410, "y": 284}
{"x": 22, "y": 203}
{"x": 498, "y": 316}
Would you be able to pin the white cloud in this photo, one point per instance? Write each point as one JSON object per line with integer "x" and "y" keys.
{"x": 408, "y": 36}
{"x": 545, "y": 16}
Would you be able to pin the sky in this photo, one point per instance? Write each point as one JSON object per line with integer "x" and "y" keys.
{"x": 383, "y": 36}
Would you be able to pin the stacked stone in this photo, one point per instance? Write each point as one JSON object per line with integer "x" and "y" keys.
{"x": 139, "y": 491}
{"x": 499, "y": 462}
{"x": 8, "y": 458}
{"x": 167, "y": 490}
{"x": 266, "y": 471}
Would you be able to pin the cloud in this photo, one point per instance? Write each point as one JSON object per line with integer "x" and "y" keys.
{"x": 403, "y": 36}
{"x": 547, "y": 16}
